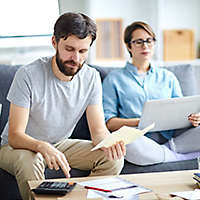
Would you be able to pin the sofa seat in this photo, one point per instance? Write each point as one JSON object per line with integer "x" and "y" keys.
{"x": 189, "y": 78}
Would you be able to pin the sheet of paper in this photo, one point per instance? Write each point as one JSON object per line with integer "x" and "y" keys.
{"x": 196, "y": 194}
{"x": 118, "y": 186}
{"x": 125, "y": 134}
{"x": 191, "y": 195}
{"x": 93, "y": 195}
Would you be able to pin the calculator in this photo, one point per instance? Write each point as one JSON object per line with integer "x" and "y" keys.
{"x": 57, "y": 188}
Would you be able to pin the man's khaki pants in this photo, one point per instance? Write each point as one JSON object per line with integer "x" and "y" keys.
{"x": 26, "y": 165}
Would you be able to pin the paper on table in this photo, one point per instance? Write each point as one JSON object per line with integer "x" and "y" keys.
{"x": 190, "y": 195}
{"x": 95, "y": 196}
{"x": 120, "y": 188}
{"x": 125, "y": 134}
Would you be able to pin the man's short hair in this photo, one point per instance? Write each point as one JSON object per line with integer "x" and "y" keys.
{"x": 76, "y": 24}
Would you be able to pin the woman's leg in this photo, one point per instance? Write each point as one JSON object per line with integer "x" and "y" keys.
{"x": 187, "y": 141}
{"x": 145, "y": 151}
{"x": 171, "y": 156}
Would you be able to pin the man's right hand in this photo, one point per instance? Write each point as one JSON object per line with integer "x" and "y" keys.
{"x": 54, "y": 158}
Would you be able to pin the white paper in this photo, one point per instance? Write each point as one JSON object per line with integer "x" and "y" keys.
{"x": 191, "y": 195}
{"x": 125, "y": 134}
{"x": 107, "y": 196}
{"x": 114, "y": 183}
{"x": 92, "y": 195}
{"x": 196, "y": 194}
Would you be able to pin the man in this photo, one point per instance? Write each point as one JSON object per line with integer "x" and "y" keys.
{"x": 47, "y": 98}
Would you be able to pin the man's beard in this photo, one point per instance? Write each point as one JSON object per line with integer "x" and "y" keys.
{"x": 66, "y": 70}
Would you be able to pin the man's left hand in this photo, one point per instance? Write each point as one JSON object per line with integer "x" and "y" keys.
{"x": 116, "y": 151}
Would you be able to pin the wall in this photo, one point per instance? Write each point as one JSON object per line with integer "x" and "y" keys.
{"x": 73, "y": 6}
{"x": 160, "y": 14}
{"x": 184, "y": 16}
{"x": 133, "y": 10}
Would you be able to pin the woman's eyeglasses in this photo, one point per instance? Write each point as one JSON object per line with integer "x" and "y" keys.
{"x": 140, "y": 42}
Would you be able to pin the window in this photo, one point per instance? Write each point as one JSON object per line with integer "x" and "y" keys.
{"x": 109, "y": 39}
{"x": 27, "y": 18}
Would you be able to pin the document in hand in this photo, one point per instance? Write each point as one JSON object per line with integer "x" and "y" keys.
{"x": 125, "y": 134}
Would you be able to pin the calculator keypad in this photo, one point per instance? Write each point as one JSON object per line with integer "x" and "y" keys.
{"x": 60, "y": 188}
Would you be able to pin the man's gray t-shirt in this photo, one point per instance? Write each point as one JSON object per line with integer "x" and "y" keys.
{"x": 55, "y": 106}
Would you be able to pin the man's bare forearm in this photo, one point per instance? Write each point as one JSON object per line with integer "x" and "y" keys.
{"x": 24, "y": 141}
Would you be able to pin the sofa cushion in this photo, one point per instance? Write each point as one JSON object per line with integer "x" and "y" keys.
{"x": 103, "y": 70}
{"x": 130, "y": 168}
{"x": 196, "y": 69}
{"x": 7, "y": 73}
{"x": 9, "y": 188}
{"x": 81, "y": 130}
{"x": 185, "y": 74}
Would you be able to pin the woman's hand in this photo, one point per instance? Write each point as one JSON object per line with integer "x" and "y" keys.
{"x": 54, "y": 158}
{"x": 116, "y": 151}
{"x": 194, "y": 118}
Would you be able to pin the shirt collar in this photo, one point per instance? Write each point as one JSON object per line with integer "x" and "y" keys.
{"x": 133, "y": 69}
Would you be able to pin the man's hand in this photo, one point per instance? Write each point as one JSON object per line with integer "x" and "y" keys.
{"x": 116, "y": 151}
{"x": 54, "y": 158}
{"x": 194, "y": 118}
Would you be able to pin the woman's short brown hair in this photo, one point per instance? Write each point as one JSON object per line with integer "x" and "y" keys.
{"x": 134, "y": 26}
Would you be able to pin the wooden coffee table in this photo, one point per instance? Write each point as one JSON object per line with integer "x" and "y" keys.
{"x": 161, "y": 183}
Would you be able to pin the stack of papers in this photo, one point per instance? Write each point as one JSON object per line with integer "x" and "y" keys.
{"x": 114, "y": 187}
{"x": 125, "y": 134}
{"x": 196, "y": 177}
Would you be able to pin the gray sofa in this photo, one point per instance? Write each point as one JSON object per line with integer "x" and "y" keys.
{"x": 189, "y": 77}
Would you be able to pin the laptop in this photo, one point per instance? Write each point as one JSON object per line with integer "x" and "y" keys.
{"x": 168, "y": 114}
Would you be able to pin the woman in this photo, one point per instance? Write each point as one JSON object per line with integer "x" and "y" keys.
{"x": 125, "y": 91}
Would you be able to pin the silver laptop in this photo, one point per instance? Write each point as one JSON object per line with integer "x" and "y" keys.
{"x": 169, "y": 113}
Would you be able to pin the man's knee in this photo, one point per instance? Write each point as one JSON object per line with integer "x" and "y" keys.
{"x": 30, "y": 164}
{"x": 24, "y": 157}
{"x": 116, "y": 166}
{"x": 103, "y": 166}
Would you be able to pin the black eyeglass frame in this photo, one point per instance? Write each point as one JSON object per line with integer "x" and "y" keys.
{"x": 149, "y": 41}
